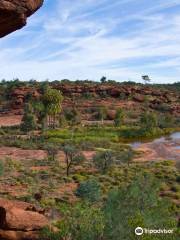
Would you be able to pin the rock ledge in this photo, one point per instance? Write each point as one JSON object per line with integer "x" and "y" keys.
{"x": 14, "y": 14}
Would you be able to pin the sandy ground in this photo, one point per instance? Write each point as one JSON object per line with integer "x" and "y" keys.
{"x": 146, "y": 152}
{"x": 10, "y": 120}
{"x": 21, "y": 154}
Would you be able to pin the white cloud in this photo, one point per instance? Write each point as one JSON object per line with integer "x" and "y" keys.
{"x": 77, "y": 43}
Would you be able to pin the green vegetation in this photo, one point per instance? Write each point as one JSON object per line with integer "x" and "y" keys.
{"x": 72, "y": 157}
{"x": 119, "y": 118}
{"x": 101, "y": 114}
{"x": 52, "y": 100}
{"x": 1, "y": 168}
{"x": 28, "y": 120}
{"x": 89, "y": 190}
{"x": 137, "y": 204}
{"x": 103, "y": 160}
{"x": 86, "y": 170}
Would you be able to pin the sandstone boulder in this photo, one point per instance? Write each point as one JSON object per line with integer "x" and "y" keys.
{"x": 18, "y": 235}
{"x": 14, "y": 14}
{"x": 20, "y": 220}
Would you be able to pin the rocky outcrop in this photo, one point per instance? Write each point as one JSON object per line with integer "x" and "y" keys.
{"x": 20, "y": 220}
{"x": 14, "y": 14}
{"x": 20, "y": 95}
{"x": 153, "y": 97}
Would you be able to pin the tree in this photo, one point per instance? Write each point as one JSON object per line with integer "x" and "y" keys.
{"x": 102, "y": 113}
{"x": 138, "y": 205}
{"x": 72, "y": 157}
{"x": 73, "y": 116}
{"x": 52, "y": 151}
{"x": 103, "y": 160}
{"x": 62, "y": 121}
{"x": 127, "y": 156}
{"x": 44, "y": 86}
{"x": 166, "y": 120}
{"x": 1, "y": 168}
{"x": 52, "y": 101}
{"x": 28, "y": 121}
{"x": 149, "y": 120}
{"x": 80, "y": 222}
{"x": 103, "y": 79}
{"x": 89, "y": 190}
{"x": 40, "y": 112}
{"x": 119, "y": 118}
{"x": 146, "y": 79}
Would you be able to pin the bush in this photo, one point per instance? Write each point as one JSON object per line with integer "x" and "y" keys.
{"x": 149, "y": 120}
{"x": 119, "y": 118}
{"x": 1, "y": 168}
{"x": 28, "y": 120}
{"x": 137, "y": 205}
{"x": 103, "y": 160}
{"x": 89, "y": 190}
{"x": 81, "y": 222}
{"x": 165, "y": 121}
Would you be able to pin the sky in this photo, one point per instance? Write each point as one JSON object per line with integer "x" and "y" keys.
{"x": 88, "y": 39}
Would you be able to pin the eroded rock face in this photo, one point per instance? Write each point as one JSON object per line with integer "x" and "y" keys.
{"x": 14, "y": 14}
{"x": 20, "y": 220}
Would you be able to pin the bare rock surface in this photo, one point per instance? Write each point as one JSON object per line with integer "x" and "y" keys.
{"x": 20, "y": 220}
{"x": 155, "y": 151}
{"x": 14, "y": 14}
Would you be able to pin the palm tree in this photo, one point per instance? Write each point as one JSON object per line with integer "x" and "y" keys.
{"x": 52, "y": 101}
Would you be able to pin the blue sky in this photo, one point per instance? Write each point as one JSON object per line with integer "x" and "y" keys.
{"x": 86, "y": 39}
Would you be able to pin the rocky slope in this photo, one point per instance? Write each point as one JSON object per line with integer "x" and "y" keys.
{"x": 14, "y": 14}
{"x": 94, "y": 95}
{"x": 20, "y": 220}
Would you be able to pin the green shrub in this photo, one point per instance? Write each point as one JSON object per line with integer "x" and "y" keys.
{"x": 119, "y": 118}
{"x": 1, "y": 168}
{"x": 28, "y": 121}
{"x": 79, "y": 178}
{"x": 137, "y": 205}
{"x": 89, "y": 190}
{"x": 81, "y": 222}
{"x": 103, "y": 160}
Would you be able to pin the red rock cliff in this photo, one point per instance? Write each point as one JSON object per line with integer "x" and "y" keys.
{"x": 14, "y": 14}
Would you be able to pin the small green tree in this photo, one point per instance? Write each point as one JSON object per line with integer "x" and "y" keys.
{"x": 40, "y": 112}
{"x": 103, "y": 160}
{"x": 119, "y": 118}
{"x": 52, "y": 151}
{"x": 89, "y": 190}
{"x": 138, "y": 205}
{"x": 149, "y": 120}
{"x": 102, "y": 114}
{"x": 103, "y": 79}
{"x": 146, "y": 79}
{"x": 28, "y": 121}
{"x": 166, "y": 120}
{"x": 80, "y": 222}
{"x": 73, "y": 116}
{"x": 127, "y": 156}
{"x": 62, "y": 121}
{"x": 1, "y": 168}
{"x": 72, "y": 157}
